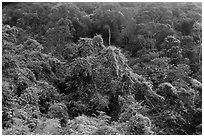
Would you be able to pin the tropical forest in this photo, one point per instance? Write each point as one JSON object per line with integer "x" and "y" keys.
{"x": 101, "y": 68}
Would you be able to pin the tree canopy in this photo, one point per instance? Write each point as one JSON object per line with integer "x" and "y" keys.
{"x": 118, "y": 68}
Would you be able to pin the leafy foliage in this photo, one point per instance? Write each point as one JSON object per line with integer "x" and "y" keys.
{"x": 101, "y": 68}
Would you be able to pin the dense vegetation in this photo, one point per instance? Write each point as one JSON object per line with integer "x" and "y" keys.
{"x": 102, "y": 68}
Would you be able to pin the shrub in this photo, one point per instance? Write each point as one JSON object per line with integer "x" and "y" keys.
{"x": 47, "y": 127}
{"x": 17, "y": 130}
{"x": 59, "y": 110}
{"x": 106, "y": 130}
{"x": 32, "y": 45}
{"x": 138, "y": 125}
{"x": 82, "y": 125}
{"x": 47, "y": 96}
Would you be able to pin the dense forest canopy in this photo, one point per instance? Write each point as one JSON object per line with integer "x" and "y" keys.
{"x": 96, "y": 68}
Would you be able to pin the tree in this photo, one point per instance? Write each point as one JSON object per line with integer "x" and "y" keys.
{"x": 153, "y": 13}
{"x": 108, "y": 16}
{"x": 145, "y": 36}
{"x": 60, "y": 35}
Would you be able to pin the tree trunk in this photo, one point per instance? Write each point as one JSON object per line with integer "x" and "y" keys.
{"x": 115, "y": 108}
{"x": 200, "y": 55}
{"x": 109, "y": 36}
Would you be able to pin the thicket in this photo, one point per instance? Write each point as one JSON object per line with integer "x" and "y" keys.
{"x": 101, "y": 69}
